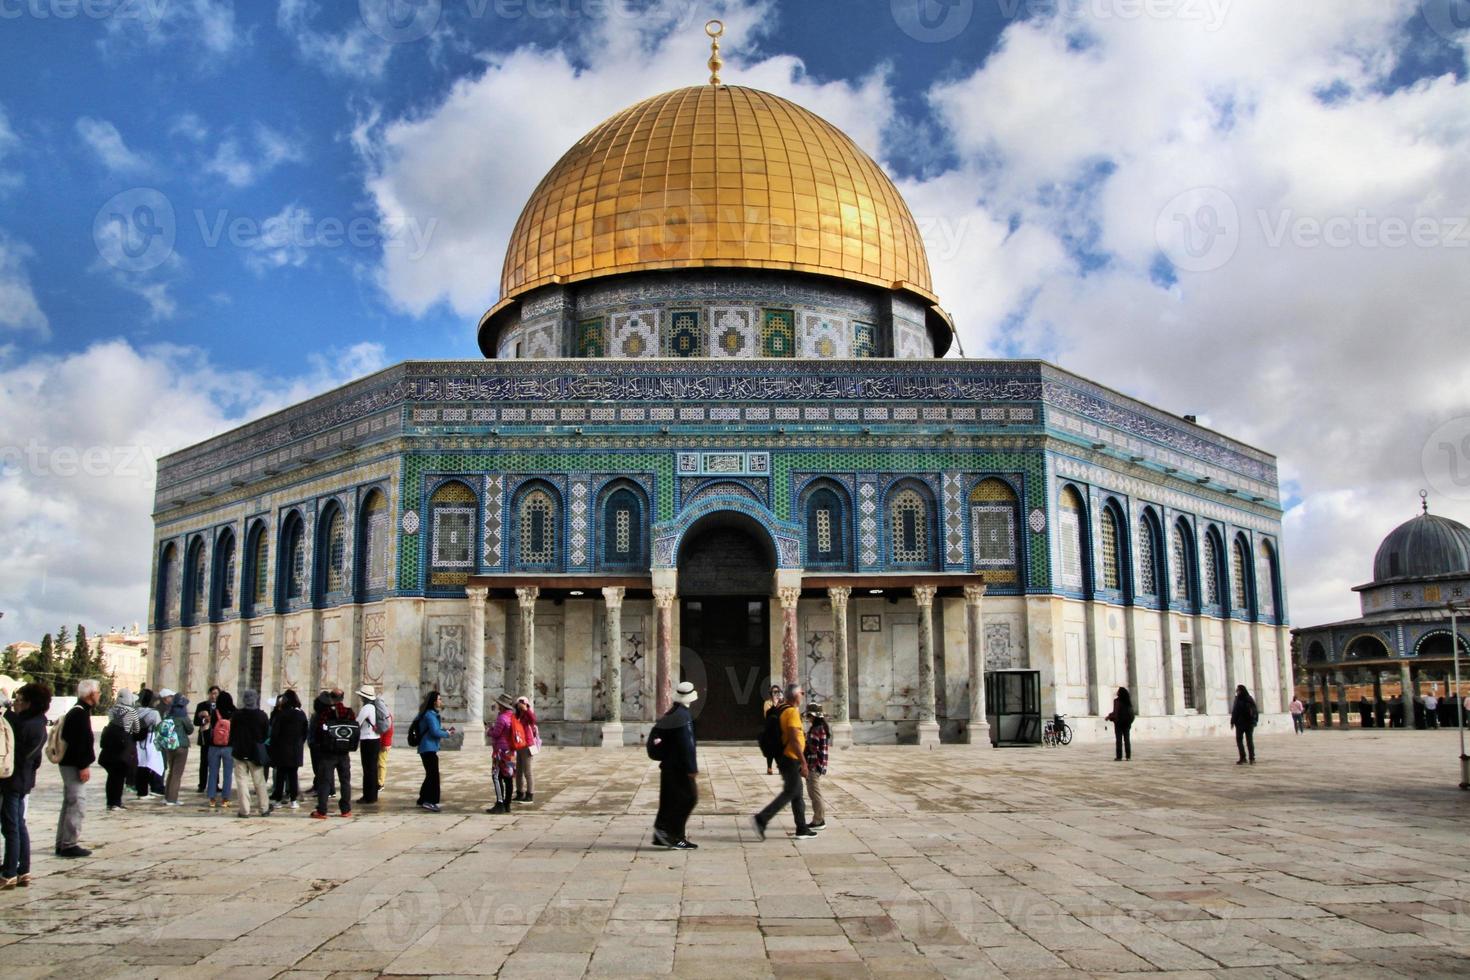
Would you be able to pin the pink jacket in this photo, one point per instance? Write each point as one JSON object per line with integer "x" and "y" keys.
{"x": 500, "y": 731}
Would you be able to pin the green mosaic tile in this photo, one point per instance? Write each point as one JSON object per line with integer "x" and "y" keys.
{"x": 591, "y": 342}
{"x": 864, "y": 340}
{"x": 778, "y": 333}
{"x": 683, "y": 338}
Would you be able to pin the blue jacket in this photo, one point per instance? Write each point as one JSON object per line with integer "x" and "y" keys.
{"x": 431, "y": 731}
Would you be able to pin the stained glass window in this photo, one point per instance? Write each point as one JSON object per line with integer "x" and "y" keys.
{"x": 1212, "y": 571}
{"x": 453, "y": 527}
{"x": 910, "y": 528}
{"x": 227, "y": 572}
{"x": 1112, "y": 579}
{"x": 336, "y": 541}
{"x": 1179, "y": 558}
{"x": 1148, "y": 562}
{"x": 1069, "y": 530}
{"x": 168, "y": 586}
{"x": 824, "y": 534}
{"x": 1239, "y": 582}
{"x": 198, "y": 577}
{"x": 374, "y": 543}
{"x": 538, "y": 532}
{"x": 295, "y": 559}
{"x": 261, "y": 573}
{"x": 622, "y": 527}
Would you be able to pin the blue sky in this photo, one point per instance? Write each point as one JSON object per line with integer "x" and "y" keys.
{"x": 1061, "y": 157}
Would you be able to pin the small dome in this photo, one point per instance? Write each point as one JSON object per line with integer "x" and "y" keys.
{"x": 1427, "y": 545}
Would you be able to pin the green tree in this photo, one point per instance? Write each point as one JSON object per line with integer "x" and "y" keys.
{"x": 40, "y": 666}
{"x": 10, "y": 662}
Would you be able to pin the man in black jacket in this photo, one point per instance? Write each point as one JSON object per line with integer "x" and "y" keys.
{"x": 203, "y": 711}
{"x": 678, "y": 777}
{"x": 1243, "y": 718}
{"x": 76, "y": 769}
{"x": 27, "y": 717}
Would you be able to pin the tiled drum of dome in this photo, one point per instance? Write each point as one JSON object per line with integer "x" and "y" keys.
{"x": 824, "y": 336}
{"x": 732, "y": 332}
{"x": 590, "y": 341}
{"x": 864, "y": 340}
{"x": 778, "y": 333}
{"x": 683, "y": 334}
{"x": 635, "y": 334}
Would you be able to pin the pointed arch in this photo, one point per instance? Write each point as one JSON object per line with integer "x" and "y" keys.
{"x": 1272, "y": 603}
{"x": 825, "y": 510}
{"x": 1213, "y": 593}
{"x": 995, "y": 541}
{"x": 224, "y": 594}
{"x": 1183, "y": 566}
{"x": 196, "y": 583}
{"x": 167, "y": 593}
{"x": 623, "y": 525}
{"x": 373, "y": 542}
{"x": 332, "y": 579}
{"x": 1147, "y": 579}
{"x": 912, "y": 541}
{"x": 1073, "y": 564}
{"x": 454, "y": 511}
{"x": 256, "y": 580}
{"x": 1113, "y": 548}
{"x": 537, "y": 528}
{"x": 292, "y": 581}
{"x": 1242, "y": 578}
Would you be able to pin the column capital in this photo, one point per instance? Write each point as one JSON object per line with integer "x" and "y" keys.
{"x": 788, "y": 596}
{"x": 613, "y": 596}
{"x": 924, "y": 594}
{"x": 527, "y": 596}
{"x": 839, "y": 595}
{"x": 974, "y": 593}
{"x": 664, "y": 598}
{"x": 476, "y": 593}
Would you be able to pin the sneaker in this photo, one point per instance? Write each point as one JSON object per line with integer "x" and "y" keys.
{"x": 760, "y": 828}
{"x": 318, "y": 815}
{"x": 243, "y": 816}
{"x": 661, "y": 839}
{"x": 806, "y": 834}
{"x": 75, "y": 851}
{"x": 820, "y": 825}
{"x": 530, "y": 797}
{"x": 295, "y": 804}
{"x": 347, "y": 814}
{"x": 685, "y": 845}
{"x": 172, "y": 803}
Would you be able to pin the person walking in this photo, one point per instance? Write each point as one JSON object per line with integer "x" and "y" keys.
{"x": 818, "y": 748}
{"x": 527, "y": 747}
{"x": 1431, "y": 710}
{"x": 78, "y": 752}
{"x": 672, "y": 743}
{"x": 118, "y": 753}
{"x": 203, "y": 713}
{"x": 249, "y": 730}
{"x": 337, "y": 732}
{"x": 26, "y": 717}
{"x": 428, "y": 731}
{"x": 172, "y": 739}
{"x": 370, "y": 742}
{"x": 767, "y": 706}
{"x": 1243, "y": 718}
{"x": 1298, "y": 715}
{"x": 1122, "y": 717}
{"x": 148, "y": 782}
{"x": 503, "y": 753}
{"x": 288, "y": 730}
{"x": 790, "y": 752}
{"x": 221, "y": 761}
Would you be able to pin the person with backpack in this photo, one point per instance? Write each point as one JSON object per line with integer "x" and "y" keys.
{"x": 203, "y": 712}
{"x": 221, "y": 760}
{"x": 172, "y": 739}
{"x": 373, "y": 721}
{"x": 672, "y": 745}
{"x": 118, "y": 755}
{"x": 249, "y": 729}
{"x": 1122, "y": 717}
{"x": 785, "y": 738}
{"x": 503, "y": 753}
{"x": 148, "y": 771}
{"x": 527, "y": 746}
{"x": 1243, "y": 718}
{"x": 288, "y": 732}
{"x": 338, "y": 733}
{"x": 771, "y": 703}
{"x": 25, "y": 721}
{"x": 425, "y": 734}
{"x": 818, "y": 748}
{"x": 72, "y": 747}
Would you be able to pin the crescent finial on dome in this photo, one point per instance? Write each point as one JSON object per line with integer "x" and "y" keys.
{"x": 715, "y": 30}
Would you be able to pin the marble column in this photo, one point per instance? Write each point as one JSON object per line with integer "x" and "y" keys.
{"x": 789, "y": 597}
{"x": 838, "y": 711}
{"x": 1406, "y": 688}
{"x": 979, "y": 730}
{"x": 928, "y": 723}
{"x": 1377, "y": 695}
{"x": 474, "y": 660}
{"x": 663, "y": 599}
{"x": 612, "y": 667}
{"x": 1325, "y": 699}
{"x": 1342, "y": 705}
{"x": 526, "y": 663}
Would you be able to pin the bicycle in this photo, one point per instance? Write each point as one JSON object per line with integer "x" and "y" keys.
{"x": 1057, "y": 732}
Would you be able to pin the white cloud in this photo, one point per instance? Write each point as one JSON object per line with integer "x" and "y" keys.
{"x": 104, "y": 140}
{"x": 283, "y": 240}
{"x": 19, "y": 309}
{"x": 241, "y": 168}
{"x": 78, "y": 464}
{"x": 355, "y": 52}
{"x": 208, "y": 25}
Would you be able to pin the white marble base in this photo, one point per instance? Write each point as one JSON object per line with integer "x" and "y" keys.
{"x": 928, "y": 734}
{"x": 978, "y": 736}
{"x": 612, "y": 735}
{"x": 842, "y": 734}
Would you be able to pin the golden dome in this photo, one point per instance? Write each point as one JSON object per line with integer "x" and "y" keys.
{"x": 716, "y": 176}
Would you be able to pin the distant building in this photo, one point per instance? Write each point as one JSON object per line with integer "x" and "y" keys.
{"x": 125, "y": 654}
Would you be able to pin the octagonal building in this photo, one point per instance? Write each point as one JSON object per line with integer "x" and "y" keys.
{"x": 715, "y": 436}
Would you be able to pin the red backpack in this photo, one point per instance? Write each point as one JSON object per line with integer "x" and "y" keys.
{"x": 220, "y": 733}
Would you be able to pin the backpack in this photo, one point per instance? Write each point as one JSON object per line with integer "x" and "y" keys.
{"x": 341, "y": 735}
{"x": 415, "y": 733}
{"x": 219, "y": 735}
{"x": 382, "y": 718}
{"x": 55, "y": 744}
{"x": 166, "y": 737}
{"x": 7, "y": 750}
{"x": 771, "y": 743}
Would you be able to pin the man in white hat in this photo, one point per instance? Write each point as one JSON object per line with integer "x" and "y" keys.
{"x": 672, "y": 743}
{"x": 370, "y": 743}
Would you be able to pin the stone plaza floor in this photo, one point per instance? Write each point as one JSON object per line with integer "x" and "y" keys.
{"x": 1339, "y": 854}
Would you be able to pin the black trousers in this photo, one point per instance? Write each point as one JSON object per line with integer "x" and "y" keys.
{"x": 1122, "y": 742}
{"x": 370, "y": 748}
{"x": 677, "y": 795}
{"x": 118, "y": 777}
{"x": 340, "y": 766}
{"x": 286, "y": 784}
{"x": 429, "y": 790}
{"x": 1245, "y": 741}
{"x": 791, "y": 783}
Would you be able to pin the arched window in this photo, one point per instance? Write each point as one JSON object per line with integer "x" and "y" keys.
{"x": 372, "y": 544}
{"x": 1269, "y": 597}
{"x": 332, "y": 547}
{"x": 224, "y": 571}
{"x": 993, "y": 538}
{"x": 452, "y": 521}
{"x": 292, "y": 571}
{"x": 1071, "y": 521}
{"x": 257, "y": 572}
{"x": 538, "y": 528}
{"x": 197, "y": 587}
{"x": 1240, "y": 568}
{"x": 826, "y": 528}
{"x": 168, "y": 587}
{"x": 623, "y": 537}
{"x": 1148, "y": 554}
{"x": 1181, "y": 563}
{"x": 1212, "y": 568}
{"x": 1112, "y": 535}
{"x": 909, "y": 528}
